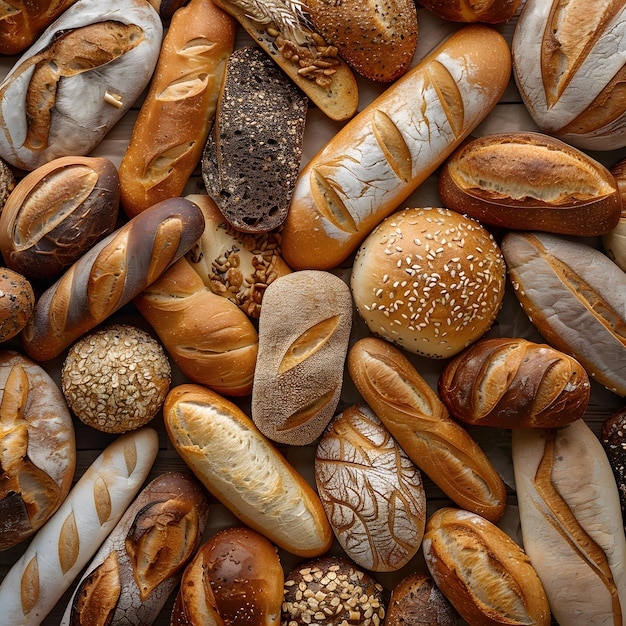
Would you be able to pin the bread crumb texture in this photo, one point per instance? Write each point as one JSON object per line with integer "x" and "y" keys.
{"x": 116, "y": 378}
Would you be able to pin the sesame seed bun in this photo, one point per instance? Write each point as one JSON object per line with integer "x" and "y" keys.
{"x": 429, "y": 280}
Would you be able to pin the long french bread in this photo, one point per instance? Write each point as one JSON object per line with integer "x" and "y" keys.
{"x": 385, "y": 152}
{"x": 70, "y": 538}
{"x": 111, "y": 274}
{"x": 571, "y": 522}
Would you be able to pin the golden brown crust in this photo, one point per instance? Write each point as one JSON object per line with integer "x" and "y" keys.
{"x": 17, "y": 302}
{"x": 487, "y": 11}
{"x": 420, "y": 423}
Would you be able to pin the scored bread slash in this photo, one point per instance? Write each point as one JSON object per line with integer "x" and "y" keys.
{"x": 282, "y": 29}
{"x": 252, "y": 158}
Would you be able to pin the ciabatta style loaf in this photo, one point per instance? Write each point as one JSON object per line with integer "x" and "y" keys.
{"x": 571, "y": 522}
{"x": 70, "y": 538}
{"x": 385, "y": 152}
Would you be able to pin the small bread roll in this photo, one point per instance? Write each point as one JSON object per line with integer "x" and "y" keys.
{"x": 469, "y": 11}
{"x": 17, "y": 302}
{"x": 429, "y": 280}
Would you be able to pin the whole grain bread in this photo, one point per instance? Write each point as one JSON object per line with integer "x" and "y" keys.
{"x": 252, "y": 157}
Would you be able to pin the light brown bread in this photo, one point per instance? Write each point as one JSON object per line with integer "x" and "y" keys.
{"x": 487, "y": 11}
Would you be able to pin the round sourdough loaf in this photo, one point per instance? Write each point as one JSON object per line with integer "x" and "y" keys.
{"x": 429, "y": 280}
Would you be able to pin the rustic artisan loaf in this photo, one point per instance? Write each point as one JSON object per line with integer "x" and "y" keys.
{"x": 177, "y": 113}
{"x": 233, "y": 264}
{"x": 17, "y": 302}
{"x": 568, "y": 62}
{"x": 530, "y": 181}
{"x": 141, "y": 562}
{"x": 486, "y": 576}
{"x": 571, "y": 522}
{"x": 420, "y": 423}
{"x": 372, "y": 492}
{"x": 110, "y": 275}
{"x": 235, "y": 578}
{"x": 69, "y": 539}
{"x": 613, "y": 439}
{"x": 576, "y": 297}
{"x": 377, "y": 39}
{"x": 77, "y": 80}
{"x": 38, "y": 448}
{"x": 429, "y": 280}
{"x": 283, "y": 31}
{"x": 58, "y": 212}
{"x": 344, "y": 594}
{"x": 242, "y": 468}
{"x": 207, "y": 336}
{"x": 381, "y": 156}
{"x": 300, "y": 364}
{"x": 252, "y": 157}
{"x": 115, "y": 378}
{"x": 514, "y": 383}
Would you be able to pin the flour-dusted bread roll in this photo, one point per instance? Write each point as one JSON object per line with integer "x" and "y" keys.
{"x": 576, "y": 297}
{"x": 420, "y": 423}
{"x": 210, "y": 339}
{"x": 300, "y": 365}
{"x": 69, "y": 539}
{"x": 487, "y": 577}
{"x": 108, "y": 276}
{"x": 372, "y": 492}
{"x": 393, "y": 145}
{"x": 57, "y": 212}
{"x": 235, "y": 578}
{"x": 568, "y": 62}
{"x": 177, "y": 113}
{"x": 77, "y": 80}
{"x": 514, "y": 383}
{"x": 142, "y": 560}
{"x": 245, "y": 471}
{"x": 38, "y": 448}
{"x": 571, "y": 522}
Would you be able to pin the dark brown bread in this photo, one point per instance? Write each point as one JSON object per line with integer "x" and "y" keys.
{"x": 489, "y": 11}
{"x": 252, "y": 157}
{"x": 613, "y": 439}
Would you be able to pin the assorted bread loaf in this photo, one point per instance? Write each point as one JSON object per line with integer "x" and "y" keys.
{"x": 340, "y": 370}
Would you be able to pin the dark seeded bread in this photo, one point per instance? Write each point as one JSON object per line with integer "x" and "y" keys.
{"x": 613, "y": 438}
{"x": 252, "y": 158}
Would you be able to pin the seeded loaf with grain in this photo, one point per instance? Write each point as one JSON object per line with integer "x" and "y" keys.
{"x": 252, "y": 157}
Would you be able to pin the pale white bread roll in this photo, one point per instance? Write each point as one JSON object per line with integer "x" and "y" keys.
{"x": 177, "y": 113}
{"x": 571, "y": 522}
{"x": 385, "y": 152}
{"x": 568, "y": 62}
{"x": 140, "y": 563}
{"x": 372, "y": 492}
{"x": 212, "y": 341}
{"x": 576, "y": 297}
{"x": 70, "y": 538}
{"x": 487, "y": 577}
{"x": 420, "y": 423}
{"x": 245, "y": 471}
{"x": 299, "y": 372}
{"x": 77, "y": 80}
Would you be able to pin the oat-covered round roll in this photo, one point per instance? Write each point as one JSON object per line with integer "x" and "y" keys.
{"x": 38, "y": 448}
{"x": 429, "y": 280}
{"x": 115, "y": 379}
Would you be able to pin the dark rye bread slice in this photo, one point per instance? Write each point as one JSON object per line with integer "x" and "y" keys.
{"x": 252, "y": 157}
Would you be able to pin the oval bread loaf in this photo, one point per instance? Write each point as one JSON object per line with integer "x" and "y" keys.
{"x": 530, "y": 181}
{"x": 571, "y": 522}
{"x": 245, "y": 471}
{"x": 487, "y": 577}
{"x": 17, "y": 303}
{"x": 57, "y": 212}
{"x": 142, "y": 560}
{"x": 378, "y": 158}
{"x": 372, "y": 492}
{"x": 69, "y": 539}
{"x": 514, "y": 383}
{"x": 570, "y": 76}
{"x": 38, "y": 448}
{"x": 77, "y": 80}
{"x": 299, "y": 372}
{"x": 576, "y": 297}
{"x": 420, "y": 423}
{"x": 110, "y": 275}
